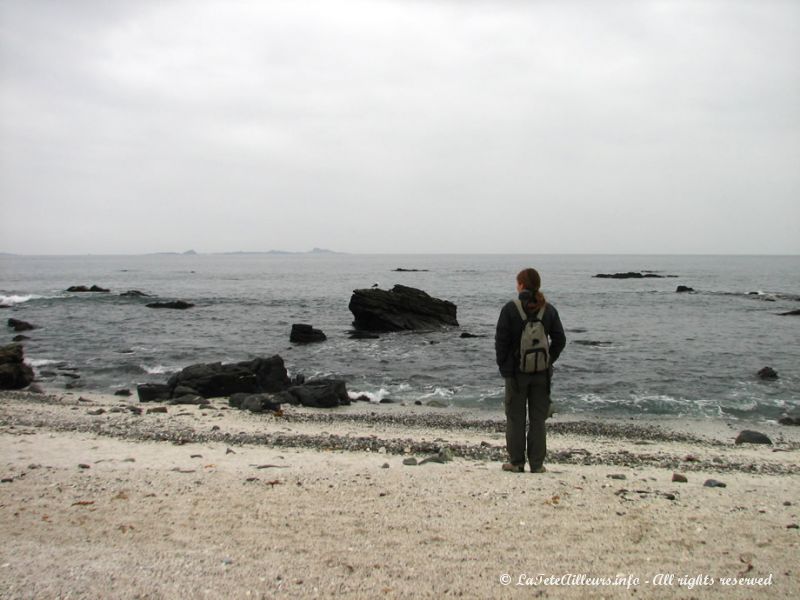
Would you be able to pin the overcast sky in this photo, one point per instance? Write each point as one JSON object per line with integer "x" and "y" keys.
{"x": 400, "y": 126}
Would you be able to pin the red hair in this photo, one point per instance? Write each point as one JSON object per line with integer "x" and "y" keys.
{"x": 530, "y": 280}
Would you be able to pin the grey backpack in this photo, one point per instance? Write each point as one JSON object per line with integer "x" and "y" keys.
{"x": 534, "y": 347}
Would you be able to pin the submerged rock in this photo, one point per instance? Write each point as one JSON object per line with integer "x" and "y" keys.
{"x": 791, "y": 418}
{"x": 14, "y": 373}
{"x": 401, "y": 308}
{"x": 84, "y": 289}
{"x": 306, "y": 334}
{"x": 684, "y": 288}
{"x": 768, "y": 373}
{"x": 790, "y": 313}
{"x": 18, "y": 325}
{"x": 631, "y": 275}
{"x": 175, "y": 304}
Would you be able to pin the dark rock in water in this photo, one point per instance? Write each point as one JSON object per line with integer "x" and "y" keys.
{"x": 684, "y": 288}
{"x": 791, "y": 418}
{"x": 324, "y": 393}
{"x": 629, "y": 275}
{"x": 84, "y": 289}
{"x": 134, "y": 294}
{"x": 363, "y": 335}
{"x": 752, "y": 437}
{"x": 218, "y": 380}
{"x": 466, "y": 335}
{"x": 122, "y": 393}
{"x": 768, "y": 373}
{"x": 20, "y": 338}
{"x": 714, "y": 483}
{"x": 401, "y": 308}
{"x": 18, "y": 325}
{"x": 305, "y": 334}
{"x": 256, "y": 403}
{"x": 790, "y": 313}
{"x": 402, "y": 270}
{"x": 386, "y": 401}
{"x": 175, "y": 304}
{"x": 14, "y": 373}
{"x": 153, "y": 392}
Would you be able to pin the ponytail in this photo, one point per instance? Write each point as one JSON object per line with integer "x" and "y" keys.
{"x": 531, "y": 281}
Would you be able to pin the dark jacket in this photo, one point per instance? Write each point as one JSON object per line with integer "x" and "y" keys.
{"x": 509, "y": 332}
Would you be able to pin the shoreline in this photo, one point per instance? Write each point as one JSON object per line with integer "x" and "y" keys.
{"x": 217, "y": 502}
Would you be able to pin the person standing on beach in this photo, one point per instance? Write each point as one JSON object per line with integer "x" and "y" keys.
{"x": 526, "y": 392}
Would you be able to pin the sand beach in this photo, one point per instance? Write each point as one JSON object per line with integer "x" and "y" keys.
{"x": 212, "y": 502}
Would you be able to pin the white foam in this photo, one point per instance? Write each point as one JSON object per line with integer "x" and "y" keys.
{"x": 375, "y": 398}
{"x": 41, "y": 362}
{"x": 12, "y": 300}
{"x": 159, "y": 369}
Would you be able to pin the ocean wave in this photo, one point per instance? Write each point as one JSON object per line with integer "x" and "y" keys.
{"x": 159, "y": 369}
{"x": 15, "y": 299}
{"x": 375, "y": 397}
{"x": 41, "y": 362}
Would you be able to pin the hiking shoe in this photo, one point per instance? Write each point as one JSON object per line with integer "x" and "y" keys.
{"x": 541, "y": 469}
{"x": 513, "y": 468}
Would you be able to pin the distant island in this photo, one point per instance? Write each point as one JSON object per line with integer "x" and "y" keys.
{"x": 312, "y": 251}
{"x": 239, "y": 252}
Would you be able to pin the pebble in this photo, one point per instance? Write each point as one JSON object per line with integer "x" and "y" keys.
{"x": 84, "y": 466}
{"x": 410, "y": 462}
{"x": 157, "y": 410}
{"x": 679, "y": 478}
{"x": 616, "y": 476}
{"x": 96, "y": 412}
{"x": 714, "y": 483}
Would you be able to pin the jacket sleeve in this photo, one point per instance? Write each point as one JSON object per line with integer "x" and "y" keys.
{"x": 502, "y": 344}
{"x": 558, "y": 338}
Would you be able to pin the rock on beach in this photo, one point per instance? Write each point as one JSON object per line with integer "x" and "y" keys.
{"x": 14, "y": 373}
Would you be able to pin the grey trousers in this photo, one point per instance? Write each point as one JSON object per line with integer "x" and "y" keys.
{"x": 526, "y": 394}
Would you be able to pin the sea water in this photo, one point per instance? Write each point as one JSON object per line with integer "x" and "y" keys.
{"x": 634, "y": 346}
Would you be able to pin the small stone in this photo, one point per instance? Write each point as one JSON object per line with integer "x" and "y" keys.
{"x": 793, "y": 526}
{"x": 679, "y": 478}
{"x": 84, "y": 466}
{"x": 410, "y": 462}
{"x": 691, "y": 458}
{"x": 787, "y": 503}
{"x": 229, "y": 451}
{"x": 385, "y": 466}
{"x": 96, "y": 412}
{"x": 714, "y": 483}
{"x": 616, "y": 476}
{"x": 157, "y": 410}
{"x": 122, "y": 393}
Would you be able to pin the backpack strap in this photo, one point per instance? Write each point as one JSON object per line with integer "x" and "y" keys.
{"x": 523, "y": 315}
{"x": 518, "y": 304}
